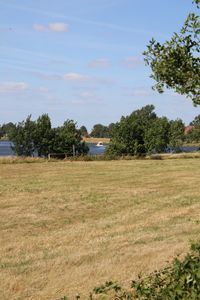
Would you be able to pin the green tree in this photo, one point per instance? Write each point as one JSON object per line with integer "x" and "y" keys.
{"x": 176, "y": 64}
{"x": 110, "y": 129}
{"x": 22, "y": 136}
{"x": 67, "y": 139}
{"x": 194, "y": 133}
{"x": 1, "y": 132}
{"x": 128, "y": 135}
{"x": 6, "y": 128}
{"x": 196, "y": 121}
{"x": 156, "y": 136}
{"x": 43, "y": 135}
{"x": 100, "y": 131}
{"x": 176, "y": 134}
{"x": 37, "y": 137}
{"x": 84, "y": 132}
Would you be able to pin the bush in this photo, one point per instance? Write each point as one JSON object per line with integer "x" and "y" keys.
{"x": 180, "y": 280}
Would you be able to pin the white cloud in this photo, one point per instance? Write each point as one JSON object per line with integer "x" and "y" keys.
{"x": 12, "y": 87}
{"x": 100, "y": 63}
{"x": 39, "y": 27}
{"x": 58, "y": 27}
{"x": 76, "y": 77}
{"x": 80, "y": 78}
{"x": 52, "y": 27}
{"x": 73, "y": 77}
{"x": 132, "y": 61}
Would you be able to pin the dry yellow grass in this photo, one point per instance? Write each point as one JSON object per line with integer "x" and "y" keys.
{"x": 20, "y": 159}
{"x": 69, "y": 226}
{"x": 96, "y": 140}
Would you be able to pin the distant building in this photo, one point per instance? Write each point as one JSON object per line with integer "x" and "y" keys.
{"x": 188, "y": 129}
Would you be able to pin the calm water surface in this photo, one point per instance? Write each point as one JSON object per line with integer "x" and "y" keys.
{"x": 6, "y": 149}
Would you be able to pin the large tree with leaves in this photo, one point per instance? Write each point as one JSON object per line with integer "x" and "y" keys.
{"x": 139, "y": 133}
{"x": 22, "y": 136}
{"x": 43, "y": 135}
{"x": 175, "y": 64}
{"x": 143, "y": 132}
{"x": 38, "y": 138}
{"x": 83, "y": 131}
{"x": 5, "y": 129}
{"x": 194, "y": 134}
{"x": 99, "y": 131}
{"x": 176, "y": 134}
{"x": 67, "y": 139}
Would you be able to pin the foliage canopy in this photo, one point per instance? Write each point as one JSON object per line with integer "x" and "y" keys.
{"x": 38, "y": 137}
{"x": 144, "y": 132}
{"x": 175, "y": 64}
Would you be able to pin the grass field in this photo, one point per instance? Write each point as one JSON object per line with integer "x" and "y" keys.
{"x": 66, "y": 227}
{"x": 96, "y": 140}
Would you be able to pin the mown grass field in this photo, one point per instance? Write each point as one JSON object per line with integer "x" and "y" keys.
{"x": 96, "y": 140}
{"x": 66, "y": 227}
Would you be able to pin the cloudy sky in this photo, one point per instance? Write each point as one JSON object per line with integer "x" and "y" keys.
{"x": 82, "y": 59}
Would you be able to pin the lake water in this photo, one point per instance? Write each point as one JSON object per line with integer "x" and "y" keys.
{"x": 6, "y": 149}
{"x": 95, "y": 150}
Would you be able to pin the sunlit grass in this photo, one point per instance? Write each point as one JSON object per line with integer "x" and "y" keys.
{"x": 69, "y": 226}
{"x": 19, "y": 159}
{"x": 93, "y": 140}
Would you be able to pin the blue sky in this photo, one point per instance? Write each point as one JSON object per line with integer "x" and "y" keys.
{"x": 82, "y": 59}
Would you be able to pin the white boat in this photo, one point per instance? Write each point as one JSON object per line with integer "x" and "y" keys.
{"x": 99, "y": 144}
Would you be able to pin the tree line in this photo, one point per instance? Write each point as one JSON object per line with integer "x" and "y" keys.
{"x": 37, "y": 137}
{"x": 141, "y": 132}
{"x": 98, "y": 131}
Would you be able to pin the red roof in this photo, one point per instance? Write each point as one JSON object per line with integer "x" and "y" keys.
{"x": 188, "y": 128}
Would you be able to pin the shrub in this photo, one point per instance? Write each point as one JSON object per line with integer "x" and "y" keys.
{"x": 180, "y": 280}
